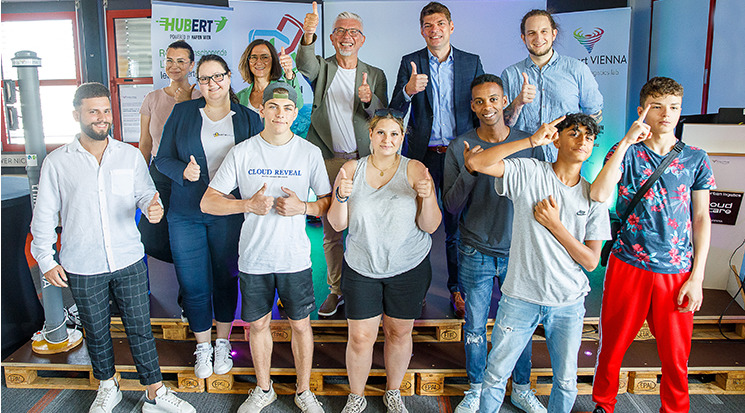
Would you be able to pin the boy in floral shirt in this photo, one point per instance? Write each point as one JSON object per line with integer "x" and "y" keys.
{"x": 656, "y": 268}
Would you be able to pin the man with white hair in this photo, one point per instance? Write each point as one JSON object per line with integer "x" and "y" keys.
{"x": 346, "y": 93}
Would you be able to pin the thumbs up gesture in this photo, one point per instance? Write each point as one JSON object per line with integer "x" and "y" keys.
{"x": 290, "y": 205}
{"x": 285, "y": 61}
{"x": 182, "y": 95}
{"x": 345, "y": 185}
{"x": 468, "y": 154}
{"x": 527, "y": 93}
{"x": 259, "y": 203}
{"x": 154, "y": 210}
{"x": 310, "y": 24}
{"x": 546, "y": 212}
{"x": 417, "y": 82}
{"x": 364, "y": 90}
{"x": 192, "y": 170}
{"x": 425, "y": 187}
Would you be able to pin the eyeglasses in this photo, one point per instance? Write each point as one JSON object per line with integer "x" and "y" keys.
{"x": 265, "y": 58}
{"x": 341, "y": 31}
{"x": 217, "y": 77}
{"x": 389, "y": 112}
{"x": 180, "y": 62}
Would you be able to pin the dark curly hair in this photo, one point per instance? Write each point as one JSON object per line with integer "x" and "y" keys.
{"x": 575, "y": 120}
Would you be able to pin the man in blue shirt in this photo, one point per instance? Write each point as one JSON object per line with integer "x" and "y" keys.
{"x": 547, "y": 85}
{"x": 436, "y": 82}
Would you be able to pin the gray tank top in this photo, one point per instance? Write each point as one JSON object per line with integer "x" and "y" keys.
{"x": 384, "y": 239}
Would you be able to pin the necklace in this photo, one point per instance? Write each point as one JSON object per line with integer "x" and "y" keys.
{"x": 383, "y": 171}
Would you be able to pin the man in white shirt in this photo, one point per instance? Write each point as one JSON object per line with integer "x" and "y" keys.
{"x": 346, "y": 93}
{"x": 94, "y": 185}
{"x": 274, "y": 171}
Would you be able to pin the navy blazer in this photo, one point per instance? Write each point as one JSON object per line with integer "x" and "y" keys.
{"x": 466, "y": 66}
{"x": 182, "y": 138}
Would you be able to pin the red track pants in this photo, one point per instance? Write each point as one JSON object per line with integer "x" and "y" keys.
{"x": 631, "y": 295}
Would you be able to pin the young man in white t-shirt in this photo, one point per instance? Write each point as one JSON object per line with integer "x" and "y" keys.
{"x": 274, "y": 172}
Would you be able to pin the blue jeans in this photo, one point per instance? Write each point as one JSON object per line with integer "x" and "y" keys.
{"x": 516, "y": 320}
{"x": 205, "y": 254}
{"x": 476, "y": 282}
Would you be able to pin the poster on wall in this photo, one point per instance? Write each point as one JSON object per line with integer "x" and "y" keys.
{"x": 207, "y": 29}
{"x": 724, "y": 206}
{"x": 130, "y": 98}
{"x": 280, "y": 23}
{"x": 600, "y": 39}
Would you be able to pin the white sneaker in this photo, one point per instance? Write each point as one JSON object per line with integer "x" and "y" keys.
{"x": 471, "y": 401}
{"x": 355, "y": 404}
{"x": 392, "y": 400}
{"x": 107, "y": 398}
{"x": 203, "y": 364}
{"x": 308, "y": 403}
{"x": 526, "y": 401}
{"x": 258, "y": 399}
{"x": 166, "y": 401}
{"x": 223, "y": 356}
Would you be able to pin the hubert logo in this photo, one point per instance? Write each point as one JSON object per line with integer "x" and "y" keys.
{"x": 177, "y": 24}
{"x": 588, "y": 40}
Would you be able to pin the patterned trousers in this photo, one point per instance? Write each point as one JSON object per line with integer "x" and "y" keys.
{"x": 128, "y": 287}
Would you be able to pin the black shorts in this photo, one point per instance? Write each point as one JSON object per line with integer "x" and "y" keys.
{"x": 295, "y": 289}
{"x": 399, "y": 296}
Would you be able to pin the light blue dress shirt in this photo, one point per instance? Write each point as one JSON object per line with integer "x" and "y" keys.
{"x": 443, "y": 108}
{"x": 564, "y": 85}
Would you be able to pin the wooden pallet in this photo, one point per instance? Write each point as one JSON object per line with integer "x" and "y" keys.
{"x": 330, "y": 331}
{"x": 72, "y": 370}
{"x": 723, "y": 362}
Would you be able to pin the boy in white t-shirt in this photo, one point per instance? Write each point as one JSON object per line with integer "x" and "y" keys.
{"x": 274, "y": 172}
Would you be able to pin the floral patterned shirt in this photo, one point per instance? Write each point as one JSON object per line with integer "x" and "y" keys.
{"x": 657, "y": 235}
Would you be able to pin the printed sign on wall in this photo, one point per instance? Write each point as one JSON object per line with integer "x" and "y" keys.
{"x": 724, "y": 207}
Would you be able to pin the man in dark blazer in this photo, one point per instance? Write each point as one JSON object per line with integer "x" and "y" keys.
{"x": 436, "y": 82}
{"x": 346, "y": 93}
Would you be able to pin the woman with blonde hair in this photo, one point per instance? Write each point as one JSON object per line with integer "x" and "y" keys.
{"x": 388, "y": 203}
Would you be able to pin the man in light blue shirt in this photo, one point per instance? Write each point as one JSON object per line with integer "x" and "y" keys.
{"x": 547, "y": 85}
{"x": 436, "y": 83}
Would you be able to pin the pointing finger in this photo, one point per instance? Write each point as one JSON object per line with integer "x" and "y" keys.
{"x": 557, "y": 121}
{"x": 282, "y": 51}
{"x": 192, "y": 159}
{"x": 315, "y": 8}
{"x": 262, "y": 189}
{"x": 413, "y": 69}
{"x": 155, "y": 198}
{"x": 343, "y": 173}
{"x": 364, "y": 78}
{"x": 467, "y": 146}
{"x": 644, "y": 113}
{"x": 288, "y": 191}
{"x": 525, "y": 79}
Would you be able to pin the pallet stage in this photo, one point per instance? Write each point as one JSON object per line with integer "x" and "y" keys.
{"x": 436, "y": 369}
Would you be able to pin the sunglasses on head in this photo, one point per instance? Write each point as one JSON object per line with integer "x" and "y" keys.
{"x": 389, "y": 112}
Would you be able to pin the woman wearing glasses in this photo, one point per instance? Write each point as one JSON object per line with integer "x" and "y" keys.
{"x": 260, "y": 65}
{"x": 154, "y": 112}
{"x": 388, "y": 203}
{"x": 196, "y": 139}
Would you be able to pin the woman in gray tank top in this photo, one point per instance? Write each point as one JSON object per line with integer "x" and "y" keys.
{"x": 388, "y": 203}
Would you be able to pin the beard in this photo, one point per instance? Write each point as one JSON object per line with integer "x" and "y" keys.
{"x": 88, "y": 130}
{"x": 539, "y": 53}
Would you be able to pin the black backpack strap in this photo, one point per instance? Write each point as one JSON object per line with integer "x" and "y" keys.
{"x": 653, "y": 178}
